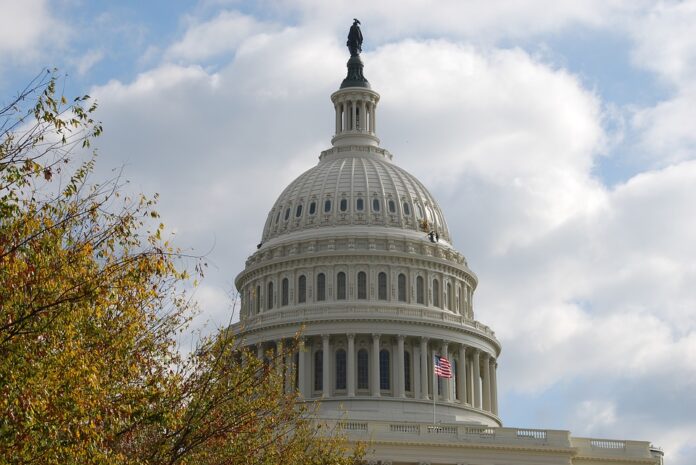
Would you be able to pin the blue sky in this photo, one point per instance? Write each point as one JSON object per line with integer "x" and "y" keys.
{"x": 558, "y": 137}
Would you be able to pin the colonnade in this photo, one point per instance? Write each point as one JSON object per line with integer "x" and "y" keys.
{"x": 356, "y": 115}
{"x": 391, "y": 365}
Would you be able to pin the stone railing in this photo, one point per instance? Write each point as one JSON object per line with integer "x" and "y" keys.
{"x": 453, "y": 432}
{"x": 610, "y": 447}
{"x": 300, "y": 315}
{"x": 480, "y": 434}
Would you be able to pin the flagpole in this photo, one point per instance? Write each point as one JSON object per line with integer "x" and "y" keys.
{"x": 434, "y": 388}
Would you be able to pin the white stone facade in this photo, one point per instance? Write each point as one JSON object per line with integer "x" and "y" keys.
{"x": 356, "y": 254}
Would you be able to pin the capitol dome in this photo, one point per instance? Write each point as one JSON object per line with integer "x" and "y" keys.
{"x": 356, "y": 256}
{"x": 355, "y": 186}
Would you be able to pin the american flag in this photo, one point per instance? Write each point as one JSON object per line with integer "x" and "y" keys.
{"x": 442, "y": 367}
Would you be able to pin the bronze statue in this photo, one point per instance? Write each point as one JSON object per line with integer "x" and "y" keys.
{"x": 355, "y": 39}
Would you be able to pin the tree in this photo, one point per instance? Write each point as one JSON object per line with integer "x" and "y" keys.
{"x": 91, "y": 302}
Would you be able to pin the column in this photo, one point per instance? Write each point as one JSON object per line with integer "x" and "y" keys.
{"x": 461, "y": 374}
{"x": 363, "y": 116}
{"x": 289, "y": 370}
{"x": 400, "y": 386}
{"x": 353, "y": 114}
{"x": 494, "y": 385}
{"x": 325, "y": 357}
{"x": 424, "y": 367}
{"x": 350, "y": 374}
{"x": 445, "y": 381}
{"x": 259, "y": 351}
{"x": 338, "y": 117}
{"x": 433, "y": 377}
{"x": 279, "y": 359}
{"x": 486, "y": 384}
{"x": 477, "y": 378}
{"x": 374, "y": 117}
{"x": 374, "y": 378}
{"x": 302, "y": 369}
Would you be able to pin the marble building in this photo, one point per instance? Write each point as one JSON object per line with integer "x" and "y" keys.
{"x": 357, "y": 253}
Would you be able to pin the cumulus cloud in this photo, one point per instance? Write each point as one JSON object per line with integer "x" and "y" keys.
{"x": 27, "y": 27}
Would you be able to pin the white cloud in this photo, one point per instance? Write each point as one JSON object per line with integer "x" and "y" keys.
{"x": 88, "y": 60}
{"x": 27, "y": 28}
{"x": 224, "y": 33}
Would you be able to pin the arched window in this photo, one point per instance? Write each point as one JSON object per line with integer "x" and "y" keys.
{"x": 362, "y": 285}
{"x": 363, "y": 369}
{"x": 407, "y": 209}
{"x": 420, "y": 291}
{"x": 312, "y": 208}
{"x": 321, "y": 286}
{"x": 327, "y": 206}
{"x": 359, "y": 204}
{"x": 285, "y": 290}
{"x": 450, "y": 297}
{"x": 298, "y": 211}
{"x": 287, "y": 214}
{"x": 382, "y": 286}
{"x": 341, "y": 286}
{"x": 340, "y": 369}
{"x": 419, "y": 209}
{"x": 392, "y": 207}
{"x": 402, "y": 287}
{"x": 277, "y": 217}
{"x": 436, "y": 293}
{"x": 258, "y": 299}
{"x": 318, "y": 370}
{"x": 407, "y": 371}
{"x": 344, "y": 205}
{"x": 302, "y": 289}
{"x": 384, "y": 369}
{"x": 375, "y": 205}
{"x": 269, "y": 296}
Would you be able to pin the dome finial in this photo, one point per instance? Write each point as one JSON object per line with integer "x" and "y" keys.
{"x": 355, "y": 39}
{"x": 355, "y": 76}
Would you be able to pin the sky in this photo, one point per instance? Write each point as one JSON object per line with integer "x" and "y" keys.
{"x": 557, "y": 136}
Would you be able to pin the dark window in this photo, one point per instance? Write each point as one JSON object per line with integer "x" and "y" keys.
{"x": 302, "y": 289}
{"x": 287, "y": 214}
{"x": 407, "y": 209}
{"x": 419, "y": 290}
{"x": 392, "y": 207}
{"x": 277, "y": 217}
{"x": 298, "y": 211}
{"x": 296, "y": 370}
{"x": 312, "y": 208}
{"x": 363, "y": 379}
{"x": 420, "y": 210}
{"x": 450, "y": 297}
{"x": 258, "y": 299}
{"x": 375, "y": 205}
{"x": 407, "y": 371}
{"x": 344, "y": 205}
{"x": 436, "y": 293}
{"x": 327, "y": 206}
{"x": 341, "y": 286}
{"x": 362, "y": 285}
{"x": 285, "y": 291}
{"x": 321, "y": 286}
{"x": 382, "y": 286}
{"x": 318, "y": 370}
{"x": 359, "y": 204}
{"x": 384, "y": 369}
{"x": 402, "y": 287}
{"x": 269, "y": 297}
{"x": 455, "y": 378}
{"x": 340, "y": 369}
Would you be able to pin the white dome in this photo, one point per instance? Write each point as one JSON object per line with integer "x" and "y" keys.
{"x": 355, "y": 185}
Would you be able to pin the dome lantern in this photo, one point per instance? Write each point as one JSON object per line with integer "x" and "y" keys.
{"x": 355, "y": 103}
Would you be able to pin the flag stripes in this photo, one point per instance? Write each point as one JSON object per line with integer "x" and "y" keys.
{"x": 443, "y": 369}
